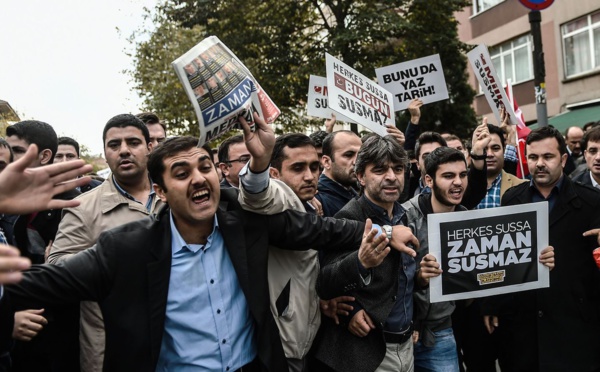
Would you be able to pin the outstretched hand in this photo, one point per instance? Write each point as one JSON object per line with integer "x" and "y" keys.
{"x": 260, "y": 143}
{"x": 25, "y": 190}
{"x": 373, "y": 248}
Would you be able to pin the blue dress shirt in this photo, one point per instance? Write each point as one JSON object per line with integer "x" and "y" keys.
{"x": 208, "y": 326}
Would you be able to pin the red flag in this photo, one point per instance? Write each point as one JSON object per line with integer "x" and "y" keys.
{"x": 522, "y": 133}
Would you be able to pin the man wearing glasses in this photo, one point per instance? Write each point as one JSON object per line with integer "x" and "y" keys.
{"x": 233, "y": 155}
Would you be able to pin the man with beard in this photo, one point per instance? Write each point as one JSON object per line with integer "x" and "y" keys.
{"x": 554, "y": 328}
{"x": 337, "y": 182}
{"x": 124, "y": 197}
{"x": 377, "y": 332}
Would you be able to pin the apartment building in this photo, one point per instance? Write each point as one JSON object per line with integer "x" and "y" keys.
{"x": 571, "y": 43}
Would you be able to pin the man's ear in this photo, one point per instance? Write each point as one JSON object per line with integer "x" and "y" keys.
{"x": 160, "y": 192}
{"x": 224, "y": 169}
{"x": 563, "y": 159}
{"x": 274, "y": 173}
{"x": 150, "y": 147}
{"x": 326, "y": 162}
{"x": 45, "y": 156}
{"x": 361, "y": 179}
{"x": 429, "y": 181}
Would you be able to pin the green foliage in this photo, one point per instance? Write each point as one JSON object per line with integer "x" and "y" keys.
{"x": 284, "y": 42}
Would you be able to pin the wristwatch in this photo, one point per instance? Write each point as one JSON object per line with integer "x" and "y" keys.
{"x": 387, "y": 229}
{"x": 478, "y": 157}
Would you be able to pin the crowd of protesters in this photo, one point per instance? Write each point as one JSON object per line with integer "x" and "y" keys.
{"x": 289, "y": 253}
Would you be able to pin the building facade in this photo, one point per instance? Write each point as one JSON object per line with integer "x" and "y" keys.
{"x": 571, "y": 44}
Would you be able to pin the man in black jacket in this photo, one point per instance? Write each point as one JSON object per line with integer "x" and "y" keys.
{"x": 555, "y": 328}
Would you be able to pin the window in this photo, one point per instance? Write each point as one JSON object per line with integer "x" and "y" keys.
{"x": 512, "y": 60}
{"x": 481, "y": 5}
{"x": 581, "y": 44}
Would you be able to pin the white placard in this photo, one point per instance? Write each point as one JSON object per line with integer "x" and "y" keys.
{"x": 421, "y": 78}
{"x": 357, "y": 97}
{"x": 485, "y": 72}
{"x": 317, "y": 104}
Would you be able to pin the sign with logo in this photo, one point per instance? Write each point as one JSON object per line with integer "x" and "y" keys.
{"x": 536, "y": 4}
{"x": 488, "y": 252}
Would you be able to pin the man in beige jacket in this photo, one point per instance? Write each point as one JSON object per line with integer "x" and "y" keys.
{"x": 126, "y": 196}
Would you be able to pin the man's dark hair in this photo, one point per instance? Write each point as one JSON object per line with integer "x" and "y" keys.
{"x": 291, "y": 140}
{"x": 494, "y": 129}
{"x": 223, "y": 153}
{"x": 328, "y": 142}
{"x": 442, "y": 155}
{"x": 318, "y": 137}
{"x": 590, "y": 125}
{"x": 150, "y": 118}
{"x": 124, "y": 121}
{"x": 169, "y": 148}
{"x": 5, "y": 144}
{"x": 428, "y": 137}
{"x": 379, "y": 150}
{"x": 70, "y": 142}
{"x": 38, "y": 132}
{"x": 591, "y": 135}
{"x": 542, "y": 133}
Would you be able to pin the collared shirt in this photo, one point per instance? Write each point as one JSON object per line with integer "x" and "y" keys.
{"x": 510, "y": 154}
{"x": 208, "y": 325}
{"x": 400, "y": 318}
{"x": 332, "y": 195}
{"x": 422, "y": 189}
{"x": 536, "y": 196}
{"x": 492, "y": 198}
{"x": 594, "y": 183}
{"x": 130, "y": 197}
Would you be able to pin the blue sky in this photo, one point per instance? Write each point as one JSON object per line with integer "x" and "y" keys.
{"x": 61, "y": 62}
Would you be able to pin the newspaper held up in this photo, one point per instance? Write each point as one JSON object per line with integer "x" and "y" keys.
{"x": 221, "y": 89}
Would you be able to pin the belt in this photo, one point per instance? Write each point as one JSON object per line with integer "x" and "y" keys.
{"x": 398, "y": 338}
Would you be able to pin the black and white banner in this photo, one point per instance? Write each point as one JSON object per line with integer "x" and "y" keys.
{"x": 488, "y": 252}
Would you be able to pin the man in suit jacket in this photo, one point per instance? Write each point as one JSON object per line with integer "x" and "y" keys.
{"x": 591, "y": 152}
{"x": 555, "y": 328}
{"x": 140, "y": 274}
{"x": 377, "y": 333}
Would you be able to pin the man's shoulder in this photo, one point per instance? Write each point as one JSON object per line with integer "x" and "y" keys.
{"x": 516, "y": 190}
{"x": 353, "y": 210}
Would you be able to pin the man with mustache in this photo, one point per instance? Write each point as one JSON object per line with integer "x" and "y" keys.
{"x": 124, "y": 197}
{"x": 554, "y": 328}
{"x": 591, "y": 153}
{"x": 377, "y": 333}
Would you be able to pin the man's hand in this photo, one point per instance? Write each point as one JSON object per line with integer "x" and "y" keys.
{"x": 317, "y": 205}
{"x": 28, "y": 324}
{"x": 336, "y": 306}
{"x": 402, "y": 236}
{"x": 373, "y": 249}
{"x": 260, "y": 143}
{"x": 481, "y": 138}
{"x": 361, "y": 324}
{"x": 511, "y": 132}
{"x": 330, "y": 123}
{"x": 396, "y": 133}
{"x": 547, "y": 257}
{"x": 430, "y": 268}
{"x": 490, "y": 322}
{"x": 25, "y": 190}
{"x": 11, "y": 264}
{"x": 593, "y": 232}
{"x": 414, "y": 108}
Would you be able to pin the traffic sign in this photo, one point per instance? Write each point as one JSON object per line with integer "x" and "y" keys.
{"x": 536, "y": 4}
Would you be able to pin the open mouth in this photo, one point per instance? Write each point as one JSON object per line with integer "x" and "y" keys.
{"x": 200, "y": 196}
{"x": 456, "y": 193}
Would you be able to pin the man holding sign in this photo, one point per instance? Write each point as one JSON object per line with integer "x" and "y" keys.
{"x": 555, "y": 328}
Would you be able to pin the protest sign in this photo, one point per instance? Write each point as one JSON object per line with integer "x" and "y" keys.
{"x": 421, "y": 78}
{"x": 317, "y": 105}
{"x": 485, "y": 72}
{"x": 489, "y": 251}
{"x": 221, "y": 89}
{"x": 357, "y": 97}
